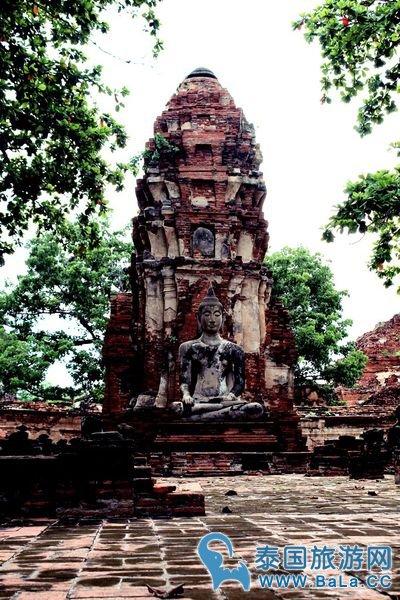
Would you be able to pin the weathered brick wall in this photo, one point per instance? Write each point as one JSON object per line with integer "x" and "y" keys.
{"x": 87, "y": 481}
{"x": 323, "y": 424}
{"x": 380, "y": 381}
{"x": 119, "y": 355}
{"x": 94, "y": 477}
{"x": 55, "y": 423}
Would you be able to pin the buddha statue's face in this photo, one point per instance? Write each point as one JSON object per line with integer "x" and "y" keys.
{"x": 210, "y": 317}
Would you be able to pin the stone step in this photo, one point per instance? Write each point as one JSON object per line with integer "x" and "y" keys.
{"x": 192, "y": 463}
{"x": 141, "y": 471}
{"x": 186, "y": 500}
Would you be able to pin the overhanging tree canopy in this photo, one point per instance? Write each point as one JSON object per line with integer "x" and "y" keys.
{"x": 360, "y": 41}
{"x": 51, "y": 134}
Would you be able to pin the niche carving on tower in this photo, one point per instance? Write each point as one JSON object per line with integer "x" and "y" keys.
{"x": 203, "y": 242}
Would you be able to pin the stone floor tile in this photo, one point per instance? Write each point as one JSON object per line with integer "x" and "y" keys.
{"x": 50, "y": 595}
{"x": 105, "y": 592}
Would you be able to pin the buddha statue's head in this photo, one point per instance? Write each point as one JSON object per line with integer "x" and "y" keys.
{"x": 211, "y": 313}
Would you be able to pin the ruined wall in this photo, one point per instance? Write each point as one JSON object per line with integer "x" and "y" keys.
{"x": 320, "y": 425}
{"x": 380, "y": 381}
{"x": 39, "y": 418}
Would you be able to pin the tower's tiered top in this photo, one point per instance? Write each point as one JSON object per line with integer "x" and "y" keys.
{"x": 202, "y": 178}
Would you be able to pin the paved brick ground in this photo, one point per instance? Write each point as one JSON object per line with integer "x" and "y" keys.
{"x": 51, "y": 560}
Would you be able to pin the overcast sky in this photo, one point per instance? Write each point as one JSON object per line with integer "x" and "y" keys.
{"x": 310, "y": 150}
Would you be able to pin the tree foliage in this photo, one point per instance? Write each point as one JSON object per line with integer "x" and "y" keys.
{"x": 58, "y": 310}
{"x": 306, "y": 287}
{"x": 51, "y": 134}
{"x": 360, "y": 45}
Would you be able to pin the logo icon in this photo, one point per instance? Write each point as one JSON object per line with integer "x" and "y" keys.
{"x": 213, "y": 561}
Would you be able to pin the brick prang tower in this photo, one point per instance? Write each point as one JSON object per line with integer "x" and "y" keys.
{"x": 200, "y": 222}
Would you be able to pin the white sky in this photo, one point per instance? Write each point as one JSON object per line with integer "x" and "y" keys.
{"x": 310, "y": 150}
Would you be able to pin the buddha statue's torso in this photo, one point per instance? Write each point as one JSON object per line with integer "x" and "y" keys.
{"x": 212, "y": 368}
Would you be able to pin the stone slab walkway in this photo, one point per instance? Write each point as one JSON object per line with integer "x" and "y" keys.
{"x": 116, "y": 559}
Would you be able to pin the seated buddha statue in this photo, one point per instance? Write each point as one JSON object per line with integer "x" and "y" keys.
{"x": 212, "y": 373}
